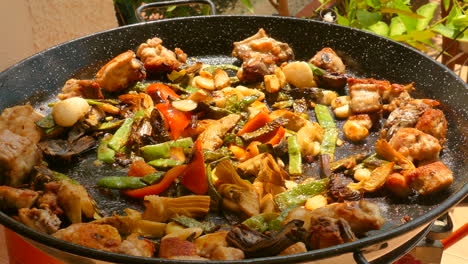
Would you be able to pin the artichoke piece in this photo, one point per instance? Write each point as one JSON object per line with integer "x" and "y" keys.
{"x": 161, "y": 209}
{"x": 75, "y": 201}
{"x": 133, "y": 224}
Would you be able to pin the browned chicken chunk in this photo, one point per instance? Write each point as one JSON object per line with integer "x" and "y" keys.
{"x": 22, "y": 120}
{"x": 13, "y": 198}
{"x": 135, "y": 246}
{"x": 416, "y": 145}
{"x": 328, "y": 60}
{"x": 362, "y": 216}
{"x": 120, "y": 72}
{"x": 327, "y": 232}
{"x": 430, "y": 178}
{"x": 158, "y": 58}
{"x": 406, "y": 115}
{"x": 81, "y": 88}
{"x": 18, "y": 155}
{"x": 227, "y": 253}
{"x": 433, "y": 122}
{"x": 174, "y": 246}
{"x": 103, "y": 237}
{"x": 297, "y": 248}
{"x": 212, "y": 137}
{"x": 75, "y": 201}
{"x": 260, "y": 54}
{"x": 40, "y": 219}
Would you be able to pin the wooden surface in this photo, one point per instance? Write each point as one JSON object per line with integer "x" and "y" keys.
{"x": 457, "y": 254}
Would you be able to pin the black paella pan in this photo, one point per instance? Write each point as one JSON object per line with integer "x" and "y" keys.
{"x": 39, "y": 78}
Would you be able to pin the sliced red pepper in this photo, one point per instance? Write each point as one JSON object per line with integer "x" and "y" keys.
{"x": 255, "y": 123}
{"x": 159, "y": 187}
{"x": 239, "y": 152}
{"x": 176, "y": 120}
{"x": 139, "y": 168}
{"x": 160, "y": 91}
{"x": 194, "y": 176}
{"x": 274, "y": 137}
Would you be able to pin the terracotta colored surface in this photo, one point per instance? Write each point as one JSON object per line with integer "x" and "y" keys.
{"x": 456, "y": 254}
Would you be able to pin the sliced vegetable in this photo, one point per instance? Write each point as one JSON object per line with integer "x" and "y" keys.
{"x": 194, "y": 177}
{"x": 376, "y": 180}
{"x": 212, "y": 155}
{"x": 165, "y": 163}
{"x": 283, "y": 104}
{"x": 265, "y": 129}
{"x": 214, "y": 195}
{"x": 324, "y": 116}
{"x": 274, "y": 137}
{"x": 161, "y": 209}
{"x": 120, "y": 183}
{"x": 212, "y": 68}
{"x": 159, "y": 91}
{"x": 104, "y": 153}
{"x": 122, "y": 134}
{"x": 260, "y": 222}
{"x": 243, "y": 103}
{"x": 329, "y": 142}
{"x": 316, "y": 70}
{"x": 255, "y": 123}
{"x": 161, "y": 151}
{"x": 190, "y": 222}
{"x": 158, "y": 188}
{"x": 153, "y": 177}
{"x": 347, "y": 162}
{"x": 295, "y": 159}
{"x": 110, "y": 125}
{"x": 233, "y": 139}
{"x": 140, "y": 168}
{"x": 239, "y": 152}
{"x": 298, "y": 195}
{"x": 175, "y": 119}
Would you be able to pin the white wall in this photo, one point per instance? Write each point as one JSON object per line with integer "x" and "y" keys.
{"x": 29, "y": 26}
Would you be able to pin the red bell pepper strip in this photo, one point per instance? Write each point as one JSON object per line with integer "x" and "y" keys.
{"x": 176, "y": 120}
{"x": 139, "y": 168}
{"x": 159, "y": 187}
{"x": 255, "y": 123}
{"x": 276, "y": 136}
{"x": 160, "y": 90}
{"x": 194, "y": 176}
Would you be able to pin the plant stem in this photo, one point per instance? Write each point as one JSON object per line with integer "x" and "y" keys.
{"x": 281, "y": 6}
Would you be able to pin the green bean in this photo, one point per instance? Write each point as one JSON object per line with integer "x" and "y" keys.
{"x": 165, "y": 163}
{"x": 212, "y": 68}
{"x": 295, "y": 159}
{"x": 119, "y": 183}
{"x": 162, "y": 150}
{"x": 298, "y": 195}
{"x": 104, "y": 153}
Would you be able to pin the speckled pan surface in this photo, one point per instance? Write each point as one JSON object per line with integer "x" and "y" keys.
{"x": 39, "y": 78}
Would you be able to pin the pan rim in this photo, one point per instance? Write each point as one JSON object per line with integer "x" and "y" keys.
{"x": 51, "y": 241}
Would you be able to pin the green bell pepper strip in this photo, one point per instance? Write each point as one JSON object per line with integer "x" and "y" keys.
{"x": 298, "y": 195}
{"x": 316, "y": 70}
{"x": 326, "y": 121}
{"x": 122, "y": 134}
{"x": 212, "y": 68}
{"x": 261, "y": 222}
{"x": 120, "y": 183}
{"x": 324, "y": 116}
{"x": 110, "y": 125}
{"x": 189, "y": 222}
{"x": 165, "y": 163}
{"x": 153, "y": 178}
{"x": 162, "y": 150}
{"x": 295, "y": 159}
{"x": 104, "y": 153}
{"x": 243, "y": 103}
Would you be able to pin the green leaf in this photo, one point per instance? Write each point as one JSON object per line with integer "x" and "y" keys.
{"x": 367, "y": 18}
{"x": 341, "y": 20}
{"x": 397, "y": 27}
{"x": 446, "y": 4}
{"x": 445, "y": 30}
{"x": 376, "y": 4}
{"x": 427, "y": 11}
{"x": 460, "y": 21}
{"x": 248, "y": 5}
{"x": 380, "y": 28}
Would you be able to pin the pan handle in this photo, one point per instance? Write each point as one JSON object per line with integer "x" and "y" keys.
{"x": 140, "y": 9}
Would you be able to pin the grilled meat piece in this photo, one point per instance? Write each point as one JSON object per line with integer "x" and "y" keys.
{"x": 430, "y": 178}
{"x": 327, "y": 232}
{"x": 120, "y": 72}
{"x": 297, "y": 248}
{"x": 362, "y": 216}
{"x": 158, "y": 58}
{"x": 133, "y": 245}
{"x": 328, "y": 60}
{"x": 21, "y": 120}
{"x": 81, "y": 88}
{"x": 227, "y": 253}
{"x": 39, "y": 219}
{"x": 365, "y": 98}
{"x": 75, "y": 201}
{"x": 18, "y": 155}
{"x": 340, "y": 192}
{"x": 212, "y": 137}
{"x": 260, "y": 54}
{"x": 49, "y": 200}
{"x": 416, "y": 145}
{"x": 13, "y": 198}
{"x": 174, "y": 246}
{"x": 406, "y": 115}
{"x": 433, "y": 122}
{"x": 103, "y": 237}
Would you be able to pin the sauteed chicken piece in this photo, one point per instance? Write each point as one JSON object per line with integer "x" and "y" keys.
{"x": 365, "y": 97}
{"x": 215, "y": 247}
{"x": 120, "y": 72}
{"x": 103, "y": 237}
{"x": 260, "y": 55}
{"x": 416, "y": 145}
{"x": 430, "y": 178}
{"x": 433, "y": 122}
{"x": 212, "y": 137}
{"x": 75, "y": 201}
{"x": 18, "y": 155}
{"x": 158, "y": 58}
{"x": 21, "y": 120}
{"x": 13, "y": 198}
{"x": 328, "y": 60}
{"x": 81, "y": 88}
{"x": 42, "y": 220}
{"x": 135, "y": 246}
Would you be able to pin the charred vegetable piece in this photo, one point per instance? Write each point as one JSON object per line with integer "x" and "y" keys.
{"x": 165, "y": 163}
{"x": 300, "y": 108}
{"x": 348, "y": 162}
{"x": 110, "y": 125}
{"x": 330, "y": 136}
{"x": 119, "y": 183}
{"x": 243, "y": 103}
{"x": 265, "y": 129}
{"x": 295, "y": 158}
{"x": 233, "y": 139}
{"x": 316, "y": 70}
{"x": 175, "y": 119}
{"x": 375, "y": 181}
{"x": 212, "y": 155}
{"x": 298, "y": 195}
{"x": 255, "y": 244}
{"x": 159, "y": 91}
{"x": 104, "y": 153}
{"x": 283, "y": 104}
{"x": 189, "y": 222}
{"x": 214, "y": 195}
{"x": 122, "y": 134}
{"x": 260, "y": 222}
{"x": 161, "y": 151}
{"x": 152, "y": 178}
{"x": 255, "y": 123}
{"x": 194, "y": 177}
{"x": 158, "y": 188}
{"x": 46, "y": 122}
{"x": 324, "y": 116}
{"x": 212, "y": 68}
